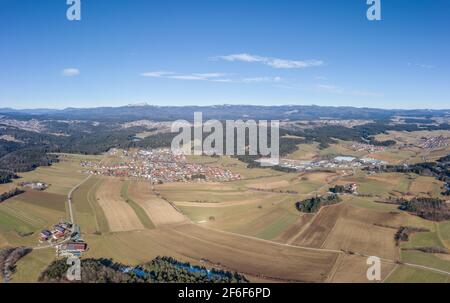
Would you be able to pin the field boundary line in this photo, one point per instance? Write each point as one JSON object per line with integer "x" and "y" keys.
{"x": 272, "y": 242}
{"x": 390, "y": 273}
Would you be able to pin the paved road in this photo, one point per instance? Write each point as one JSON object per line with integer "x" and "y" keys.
{"x": 72, "y": 220}
{"x": 69, "y": 198}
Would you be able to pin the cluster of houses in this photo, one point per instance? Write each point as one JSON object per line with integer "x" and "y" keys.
{"x": 160, "y": 166}
{"x": 60, "y": 231}
{"x": 366, "y": 147}
{"x": 340, "y": 162}
{"x": 35, "y": 185}
{"x": 351, "y": 188}
{"x": 435, "y": 142}
{"x": 67, "y": 239}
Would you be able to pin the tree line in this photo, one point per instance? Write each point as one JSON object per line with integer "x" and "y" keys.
{"x": 159, "y": 270}
{"x": 428, "y": 208}
{"x": 313, "y": 205}
{"x": 9, "y": 194}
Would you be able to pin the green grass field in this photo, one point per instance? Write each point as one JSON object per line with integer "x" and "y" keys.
{"x": 425, "y": 259}
{"x": 88, "y": 214}
{"x": 62, "y": 176}
{"x": 406, "y": 274}
{"x": 30, "y": 267}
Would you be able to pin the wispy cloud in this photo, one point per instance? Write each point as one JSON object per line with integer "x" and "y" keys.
{"x": 70, "y": 72}
{"x": 426, "y": 66}
{"x": 190, "y": 77}
{"x": 156, "y": 74}
{"x": 335, "y": 89}
{"x": 269, "y": 61}
{"x": 261, "y": 79}
{"x": 212, "y": 77}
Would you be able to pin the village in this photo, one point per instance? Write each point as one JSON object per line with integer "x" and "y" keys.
{"x": 159, "y": 166}
{"x": 357, "y": 146}
{"x": 435, "y": 142}
{"x": 340, "y": 162}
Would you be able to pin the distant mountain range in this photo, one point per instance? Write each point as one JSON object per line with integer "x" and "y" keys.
{"x": 221, "y": 112}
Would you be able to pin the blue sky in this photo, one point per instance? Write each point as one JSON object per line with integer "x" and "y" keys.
{"x": 194, "y": 52}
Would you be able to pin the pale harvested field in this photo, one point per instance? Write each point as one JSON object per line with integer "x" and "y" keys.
{"x": 344, "y": 227}
{"x": 425, "y": 185}
{"x": 247, "y": 255}
{"x": 293, "y": 231}
{"x": 210, "y": 186}
{"x": 365, "y": 238}
{"x": 255, "y": 258}
{"x": 120, "y": 215}
{"x": 269, "y": 184}
{"x": 353, "y": 269}
{"x": 265, "y": 260}
{"x": 220, "y": 204}
{"x": 158, "y": 210}
{"x": 321, "y": 226}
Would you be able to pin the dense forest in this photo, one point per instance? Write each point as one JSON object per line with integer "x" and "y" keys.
{"x": 327, "y": 135}
{"x": 439, "y": 169}
{"x": 427, "y": 208}
{"x": 159, "y": 270}
{"x": 313, "y": 205}
{"x": 7, "y": 176}
{"x": 169, "y": 270}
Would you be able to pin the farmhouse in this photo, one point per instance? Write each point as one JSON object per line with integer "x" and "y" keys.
{"x": 71, "y": 249}
{"x": 45, "y": 235}
{"x": 35, "y": 185}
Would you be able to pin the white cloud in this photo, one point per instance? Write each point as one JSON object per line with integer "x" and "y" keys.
{"x": 212, "y": 77}
{"x": 177, "y": 76}
{"x": 188, "y": 77}
{"x": 272, "y": 62}
{"x": 261, "y": 79}
{"x": 70, "y": 72}
{"x": 156, "y": 74}
{"x": 335, "y": 89}
{"x": 241, "y": 57}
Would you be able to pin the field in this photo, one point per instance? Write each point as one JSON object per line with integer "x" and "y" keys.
{"x": 61, "y": 176}
{"x": 119, "y": 214}
{"x": 353, "y": 269}
{"x": 160, "y": 212}
{"x": 256, "y": 257}
{"x": 249, "y": 225}
{"x": 406, "y": 274}
{"x": 27, "y": 213}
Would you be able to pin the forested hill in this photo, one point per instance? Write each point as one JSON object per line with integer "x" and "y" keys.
{"x": 29, "y": 138}
{"x": 221, "y": 112}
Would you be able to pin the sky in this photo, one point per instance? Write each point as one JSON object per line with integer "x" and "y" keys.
{"x": 205, "y": 52}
